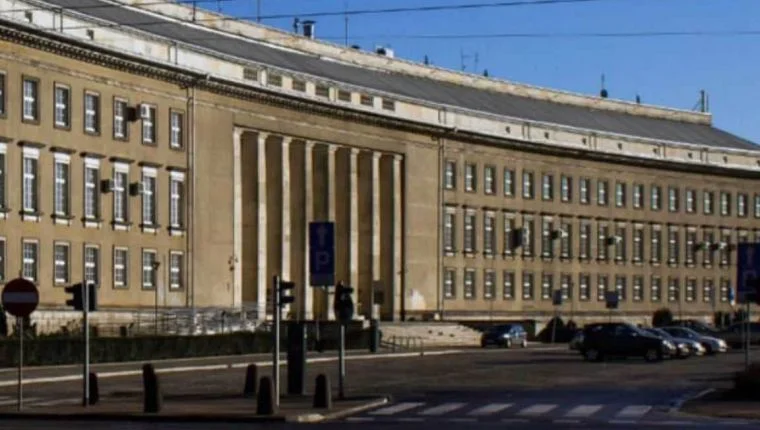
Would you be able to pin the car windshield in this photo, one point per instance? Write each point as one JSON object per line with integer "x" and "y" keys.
{"x": 660, "y": 332}
{"x": 683, "y": 332}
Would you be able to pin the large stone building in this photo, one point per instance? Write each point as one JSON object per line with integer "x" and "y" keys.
{"x": 176, "y": 157}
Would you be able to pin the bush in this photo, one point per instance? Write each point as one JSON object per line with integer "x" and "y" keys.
{"x": 662, "y": 317}
{"x": 747, "y": 383}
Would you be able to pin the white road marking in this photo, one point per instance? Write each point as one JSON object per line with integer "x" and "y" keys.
{"x": 538, "y": 409}
{"x": 633, "y": 411}
{"x": 360, "y": 419}
{"x": 583, "y": 411}
{"x": 442, "y": 409}
{"x": 622, "y": 422}
{"x": 57, "y": 402}
{"x": 565, "y": 421}
{"x": 15, "y": 401}
{"x": 490, "y": 409}
{"x": 401, "y": 407}
{"x": 515, "y": 420}
{"x": 410, "y": 420}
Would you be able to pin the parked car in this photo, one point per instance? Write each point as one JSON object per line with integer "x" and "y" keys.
{"x": 734, "y": 334}
{"x": 623, "y": 340}
{"x": 698, "y": 326}
{"x": 685, "y": 347}
{"x": 712, "y": 345}
{"x": 505, "y": 336}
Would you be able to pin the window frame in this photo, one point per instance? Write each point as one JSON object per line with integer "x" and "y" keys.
{"x": 91, "y": 220}
{"x": 66, "y": 125}
{"x": 62, "y": 214}
{"x": 97, "y": 115}
{"x": 116, "y": 284}
{"x": 30, "y": 212}
{"x": 58, "y": 281}
{"x": 180, "y": 144}
{"x": 117, "y": 100}
{"x": 97, "y": 264}
{"x": 154, "y": 273}
{"x": 181, "y": 270}
{"x": 35, "y": 119}
{"x": 36, "y": 268}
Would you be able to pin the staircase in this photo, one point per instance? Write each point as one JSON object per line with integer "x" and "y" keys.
{"x": 415, "y": 335}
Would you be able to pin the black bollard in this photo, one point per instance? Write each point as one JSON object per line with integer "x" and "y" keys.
{"x": 151, "y": 389}
{"x": 94, "y": 390}
{"x": 323, "y": 393}
{"x": 265, "y": 400}
{"x": 251, "y": 378}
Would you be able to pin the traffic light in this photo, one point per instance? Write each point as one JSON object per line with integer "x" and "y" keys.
{"x": 77, "y": 300}
{"x": 283, "y": 296}
{"x": 343, "y": 304}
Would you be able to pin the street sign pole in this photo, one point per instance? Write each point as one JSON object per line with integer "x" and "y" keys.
{"x": 86, "y": 335}
{"x": 20, "y": 330}
{"x": 748, "y": 332}
{"x": 321, "y": 263}
{"x": 342, "y": 362}
{"x": 20, "y": 298}
{"x": 276, "y": 331}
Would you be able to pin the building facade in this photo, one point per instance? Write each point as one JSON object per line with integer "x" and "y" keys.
{"x": 176, "y": 160}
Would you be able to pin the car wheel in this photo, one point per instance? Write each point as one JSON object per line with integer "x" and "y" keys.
{"x": 524, "y": 343}
{"x": 652, "y": 354}
{"x": 708, "y": 349}
{"x": 592, "y": 354}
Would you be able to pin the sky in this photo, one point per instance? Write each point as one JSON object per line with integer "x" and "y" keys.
{"x": 662, "y": 70}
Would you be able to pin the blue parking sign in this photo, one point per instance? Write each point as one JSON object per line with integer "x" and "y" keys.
{"x": 321, "y": 254}
{"x": 747, "y": 271}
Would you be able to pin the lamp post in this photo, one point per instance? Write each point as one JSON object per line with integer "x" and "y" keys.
{"x": 156, "y": 265}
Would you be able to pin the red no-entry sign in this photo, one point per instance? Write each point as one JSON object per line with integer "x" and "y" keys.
{"x": 20, "y": 297}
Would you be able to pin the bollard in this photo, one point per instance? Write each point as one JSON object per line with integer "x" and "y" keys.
{"x": 151, "y": 389}
{"x": 374, "y": 336}
{"x": 251, "y": 378}
{"x": 323, "y": 393}
{"x": 265, "y": 399}
{"x": 94, "y": 390}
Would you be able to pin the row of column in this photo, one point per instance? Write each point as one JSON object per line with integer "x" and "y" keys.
{"x": 283, "y": 184}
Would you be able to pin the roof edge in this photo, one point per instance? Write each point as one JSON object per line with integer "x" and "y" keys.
{"x": 276, "y": 37}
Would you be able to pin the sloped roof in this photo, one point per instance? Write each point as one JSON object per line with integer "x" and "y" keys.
{"x": 417, "y": 87}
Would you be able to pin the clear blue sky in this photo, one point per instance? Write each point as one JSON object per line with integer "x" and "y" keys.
{"x": 666, "y": 71}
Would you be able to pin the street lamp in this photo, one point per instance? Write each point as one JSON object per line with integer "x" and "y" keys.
{"x": 156, "y": 264}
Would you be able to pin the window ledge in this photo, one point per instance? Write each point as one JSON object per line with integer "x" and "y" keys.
{"x": 4, "y": 212}
{"x": 31, "y": 216}
{"x": 62, "y": 219}
{"x": 449, "y": 253}
{"x": 176, "y": 231}
{"x": 150, "y": 228}
{"x": 121, "y": 225}
{"x": 92, "y": 222}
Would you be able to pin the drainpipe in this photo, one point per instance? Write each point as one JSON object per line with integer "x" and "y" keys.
{"x": 439, "y": 236}
{"x": 190, "y": 201}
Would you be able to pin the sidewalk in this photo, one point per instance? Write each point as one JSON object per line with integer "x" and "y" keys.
{"x": 198, "y": 409}
{"x": 719, "y": 403}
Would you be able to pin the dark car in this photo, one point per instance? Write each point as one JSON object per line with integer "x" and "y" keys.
{"x": 683, "y": 346}
{"x": 505, "y": 336}
{"x": 623, "y": 340}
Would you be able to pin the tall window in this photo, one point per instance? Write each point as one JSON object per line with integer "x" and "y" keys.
{"x": 566, "y": 188}
{"x": 509, "y": 182}
{"x": 469, "y": 231}
{"x": 92, "y": 264}
{"x": 566, "y": 240}
{"x": 565, "y": 286}
{"x": 470, "y": 177}
{"x": 584, "y": 190}
{"x": 120, "y": 267}
{"x": 620, "y": 194}
{"x": 91, "y": 189}
{"x": 450, "y": 175}
{"x": 527, "y": 237}
{"x": 31, "y": 106}
{"x": 489, "y": 233}
{"x": 725, "y": 203}
{"x": 3, "y": 253}
{"x": 584, "y": 287}
{"x": 691, "y": 201}
{"x": 91, "y": 113}
{"x": 707, "y": 252}
{"x": 547, "y": 285}
{"x": 601, "y": 246}
{"x": 691, "y": 289}
{"x": 691, "y": 247}
{"x": 449, "y": 227}
{"x": 449, "y": 283}
{"x": 509, "y": 229}
{"x": 601, "y": 287}
{"x": 601, "y": 192}
{"x": 29, "y": 260}
{"x": 673, "y": 245}
{"x": 638, "y": 288}
{"x": 638, "y": 244}
{"x": 30, "y": 184}
{"x": 656, "y": 245}
{"x": 176, "y": 270}
{"x": 655, "y": 198}
{"x": 674, "y": 290}
{"x": 527, "y": 286}
{"x": 620, "y": 243}
{"x": 121, "y": 193}
{"x": 2, "y": 93}
{"x": 62, "y": 106}
{"x": 3, "y": 196}
{"x": 656, "y": 289}
{"x": 527, "y": 187}
{"x": 673, "y": 200}
{"x": 149, "y": 272}
{"x": 148, "y": 124}
{"x": 509, "y": 285}
{"x": 149, "y": 216}
{"x": 489, "y": 180}
{"x": 469, "y": 284}
{"x": 638, "y": 196}
{"x": 707, "y": 203}
{"x": 585, "y": 240}
{"x": 61, "y": 185}
{"x": 621, "y": 286}
{"x": 725, "y": 287}
{"x": 741, "y": 205}
{"x": 177, "y": 136}
{"x": 547, "y": 187}
{"x": 61, "y": 261}
{"x": 177, "y": 201}
{"x": 547, "y": 239}
{"x": 120, "y": 129}
{"x": 489, "y": 284}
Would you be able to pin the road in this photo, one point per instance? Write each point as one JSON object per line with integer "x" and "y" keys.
{"x": 533, "y": 388}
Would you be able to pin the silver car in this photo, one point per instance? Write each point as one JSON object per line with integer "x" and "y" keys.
{"x": 712, "y": 345}
{"x": 695, "y": 347}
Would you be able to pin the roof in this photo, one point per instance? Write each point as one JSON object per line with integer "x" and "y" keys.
{"x": 416, "y": 87}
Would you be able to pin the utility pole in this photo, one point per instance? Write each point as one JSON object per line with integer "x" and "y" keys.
{"x": 258, "y": 10}
{"x": 345, "y": 8}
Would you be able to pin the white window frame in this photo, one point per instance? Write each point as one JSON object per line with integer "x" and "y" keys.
{"x": 3, "y": 180}
{"x": 62, "y": 111}
{"x": 31, "y": 101}
{"x": 95, "y": 266}
{"x": 124, "y": 267}
{"x": 149, "y": 209}
{"x": 33, "y": 261}
{"x": 3, "y": 258}
{"x": 92, "y": 217}
{"x": 148, "y": 135}
{"x": 449, "y": 283}
{"x": 149, "y": 284}
{"x": 176, "y": 129}
{"x": 120, "y": 193}
{"x": 468, "y": 286}
{"x": 3, "y": 92}
{"x": 91, "y": 113}
{"x": 31, "y": 197}
{"x": 176, "y": 202}
{"x": 450, "y": 175}
{"x": 61, "y": 188}
{"x": 120, "y": 124}
{"x": 65, "y": 263}
{"x": 489, "y": 180}
{"x": 470, "y": 177}
{"x": 449, "y": 230}
{"x": 176, "y": 271}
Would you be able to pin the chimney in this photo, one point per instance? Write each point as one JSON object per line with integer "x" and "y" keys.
{"x": 309, "y": 28}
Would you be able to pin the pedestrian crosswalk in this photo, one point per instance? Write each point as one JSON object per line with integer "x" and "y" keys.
{"x": 417, "y": 411}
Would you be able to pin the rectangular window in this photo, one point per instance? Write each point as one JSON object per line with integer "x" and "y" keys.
{"x": 673, "y": 200}
{"x": 527, "y": 286}
{"x": 656, "y": 244}
{"x": 725, "y": 251}
{"x": 741, "y": 205}
{"x": 547, "y": 286}
{"x": 91, "y": 189}
{"x": 469, "y": 232}
{"x": 621, "y": 286}
{"x": 708, "y": 291}
{"x": 177, "y": 130}
{"x": 450, "y": 175}
{"x": 61, "y": 190}
{"x": 584, "y": 287}
{"x": 601, "y": 192}
{"x": 62, "y": 95}
{"x": 2, "y": 94}
{"x": 31, "y": 105}
{"x": 449, "y": 227}
{"x": 565, "y": 286}
{"x": 725, "y": 287}
{"x": 177, "y": 201}
{"x": 601, "y": 287}
{"x": 489, "y": 285}
{"x": 527, "y": 186}
{"x": 449, "y": 283}
{"x": 691, "y": 201}
{"x": 656, "y": 289}
{"x": 757, "y": 206}
{"x": 601, "y": 244}
{"x": 120, "y": 267}
{"x": 674, "y": 290}
{"x": 3, "y": 253}
{"x": 149, "y": 210}
{"x": 547, "y": 238}
{"x": 489, "y": 180}
{"x": 489, "y": 233}
{"x": 61, "y": 259}
{"x": 621, "y": 244}
{"x": 585, "y": 240}
{"x": 566, "y": 188}
{"x": 655, "y": 198}
{"x": 91, "y": 113}
{"x": 691, "y": 247}
{"x": 509, "y": 182}
{"x": 528, "y": 244}
{"x": 148, "y": 115}
{"x": 120, "y": 129}
{"x": 29, "y": 260}
{"x": 707, "y": 202}
{"x": 121, "y": 193}
{"x": 620, "y": 194}
{"x": 469, "y": 284}
{"x": 725, "y": 203}
{"x": 3, "y": 167}
{"x": 30, "y": 191}
{"x": 470, "y": 177}
{"x": 176, "y": 270}
{"x": 508, "y": 291}
{"x": 509, "y": 231}
{"x": 92, "y": 264}
{"x": 566, "y": 240}
{"x": 638, "y": 196}
{"x": 708, "y": 238}
{"x": 691, "y": 289}
{"x": 149, "y": 269}
{"x": 673, "y": 245}
{"x": 638, "y": 288}
{"x": 584, "y": 190}
{"x": 547, "y": 187}
{"x": 638, "y": 244}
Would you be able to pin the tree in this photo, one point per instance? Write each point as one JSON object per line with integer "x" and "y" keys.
{"x": 662, "y": 317}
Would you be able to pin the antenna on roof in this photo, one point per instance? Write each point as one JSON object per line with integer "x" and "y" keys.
{"x": 195, "y": 7}
{"x": 345, "y": 9}
{"x": 603, "y": 93}
{"x": 258, "y": 10}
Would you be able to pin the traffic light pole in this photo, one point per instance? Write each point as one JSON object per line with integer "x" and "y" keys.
{"x": 276, "y": 333}
{"x": 342, "y": 362}
{"x": 86, "y": 326}
{"x": 20, "y": 330}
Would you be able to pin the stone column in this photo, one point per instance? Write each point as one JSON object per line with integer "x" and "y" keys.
{"x": 332, "y": 150}
{"x": 377, "y": 275}
{"x": 354, "y": 221}
{"x": 237, "y": 220}
{"x": 263, "y": 281}
{"x": 398, "y": 244}
{"x": 308, "y": 207}
{"x": 286, "y": 225}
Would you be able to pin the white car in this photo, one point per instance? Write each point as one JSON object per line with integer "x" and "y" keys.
{"x": 713, "y": 345}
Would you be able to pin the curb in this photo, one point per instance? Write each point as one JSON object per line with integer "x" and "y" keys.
{"x": 177, "y": 418}
{"x": 676, "y": 404}
{"x": 356, "y": 409}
